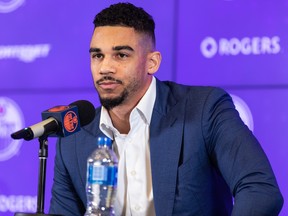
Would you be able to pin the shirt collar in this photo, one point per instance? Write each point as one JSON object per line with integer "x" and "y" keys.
{"x": 146, "y": 104}
{"x": 105, "y": 123}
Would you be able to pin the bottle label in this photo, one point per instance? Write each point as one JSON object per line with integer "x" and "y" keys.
{"x": 103, "y": 175}
{"x": 99, "y": 173}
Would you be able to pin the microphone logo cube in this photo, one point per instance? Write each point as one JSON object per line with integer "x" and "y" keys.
{"x": 67, "y": 117}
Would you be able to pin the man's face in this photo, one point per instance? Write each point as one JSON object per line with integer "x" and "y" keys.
{"x": 119, "y": 58}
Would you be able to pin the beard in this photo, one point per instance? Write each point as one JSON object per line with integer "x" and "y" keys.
{"x": 130, "y": 89}
{"x": 110, "y": 103}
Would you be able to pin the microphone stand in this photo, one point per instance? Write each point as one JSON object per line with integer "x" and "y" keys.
{"x": 43, "y": 154}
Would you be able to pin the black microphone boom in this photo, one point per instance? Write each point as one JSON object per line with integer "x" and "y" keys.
{"x": 59, "y": 121}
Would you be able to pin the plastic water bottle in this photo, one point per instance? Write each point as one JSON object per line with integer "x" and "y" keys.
{"x": 102, "y": 168}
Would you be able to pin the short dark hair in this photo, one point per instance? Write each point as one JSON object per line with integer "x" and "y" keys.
{"x": 127, "y": 15}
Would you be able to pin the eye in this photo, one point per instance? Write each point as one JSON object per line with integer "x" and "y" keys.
{"x": 122, "y": 55}
{"x": 97, "y": 56}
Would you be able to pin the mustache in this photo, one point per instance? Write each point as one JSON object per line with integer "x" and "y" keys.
{"x": 108, "y": 78}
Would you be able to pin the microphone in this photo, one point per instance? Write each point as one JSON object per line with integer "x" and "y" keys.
{"x": 59, "y": 121}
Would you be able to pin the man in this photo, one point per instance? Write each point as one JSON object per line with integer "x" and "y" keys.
{"x": 182, "y": 150}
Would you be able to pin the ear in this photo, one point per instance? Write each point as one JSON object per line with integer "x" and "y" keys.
{"x": 154, "y": 61}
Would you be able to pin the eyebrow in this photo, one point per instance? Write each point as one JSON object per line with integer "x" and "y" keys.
{"x": 116, "y": 48}
{"x": 94, "y": 50}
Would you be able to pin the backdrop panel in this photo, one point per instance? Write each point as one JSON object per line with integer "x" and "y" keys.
{"x": 233, "y": 42}
{"x": 242, "y": 47}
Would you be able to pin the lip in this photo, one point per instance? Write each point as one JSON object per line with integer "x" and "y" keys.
{"x": 108, "y": 85}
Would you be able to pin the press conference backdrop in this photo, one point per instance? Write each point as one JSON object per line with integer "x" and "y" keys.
{"x": 240, "y": 46}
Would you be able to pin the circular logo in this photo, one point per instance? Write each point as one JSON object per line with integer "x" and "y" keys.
{"x": 70, "y": 121}
{"x": 209, "y": 47}
{"x": 7, "y": 6}
{"x": 11, "y": 120}
{"x": 244, "y": 111}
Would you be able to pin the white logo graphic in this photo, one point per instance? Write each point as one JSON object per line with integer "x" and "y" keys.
{"x": 18, "y": 203}
{"x": 10, "y": 5}
{"x": 246, "y": 46}
{"x": 11, "y": 120}
{"x": 244, "y": 111}
{"x": 25, "y": 53}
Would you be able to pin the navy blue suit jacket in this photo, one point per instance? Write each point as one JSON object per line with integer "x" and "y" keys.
{"x": 202, "y": 155}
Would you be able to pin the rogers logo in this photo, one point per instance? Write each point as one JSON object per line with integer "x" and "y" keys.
{"x": 210, "y": 47}
{"x": 25, "y": 53}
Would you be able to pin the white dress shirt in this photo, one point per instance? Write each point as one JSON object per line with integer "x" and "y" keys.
{"x": 134, "y": 192}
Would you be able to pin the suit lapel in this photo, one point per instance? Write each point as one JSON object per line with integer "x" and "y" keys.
{"x": 166, "y": 134}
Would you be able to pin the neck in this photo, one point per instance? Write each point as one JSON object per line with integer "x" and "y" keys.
{"x": 120, "y": 119}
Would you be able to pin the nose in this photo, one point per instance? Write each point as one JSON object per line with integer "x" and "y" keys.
{"x": 107, "y": 66}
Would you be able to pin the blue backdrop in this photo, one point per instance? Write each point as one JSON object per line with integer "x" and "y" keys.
{"x": 44, "y": 61}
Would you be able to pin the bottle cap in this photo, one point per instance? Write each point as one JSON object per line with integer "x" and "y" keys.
{"x": 104, "y": 141}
